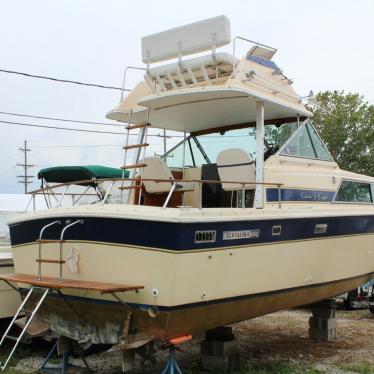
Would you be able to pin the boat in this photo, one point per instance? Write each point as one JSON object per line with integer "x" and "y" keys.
{"x": 10, "y": 205}
{"x": 249, "y": 214}
{"x": 10, "y": 299}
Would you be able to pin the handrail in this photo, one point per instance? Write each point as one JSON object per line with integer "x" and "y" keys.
{"x": 58, "y": 222}
{"x": 210, "y": 181}
{"x": 124, "y": 78}
{"x": 173, "y": 182}
{"x": 249, "y": 41}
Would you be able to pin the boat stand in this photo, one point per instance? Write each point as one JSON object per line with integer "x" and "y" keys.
{"x": 172, "y": 366}
{"x": 64, "y": 366}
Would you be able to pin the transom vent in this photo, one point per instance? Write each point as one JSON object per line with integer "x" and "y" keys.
{"x": 207, "y": 236}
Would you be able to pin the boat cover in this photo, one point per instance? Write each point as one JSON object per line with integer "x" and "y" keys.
{"x": 68, "y": 174}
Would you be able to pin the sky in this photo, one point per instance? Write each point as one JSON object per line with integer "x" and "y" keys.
{"x": 322, "y": 45}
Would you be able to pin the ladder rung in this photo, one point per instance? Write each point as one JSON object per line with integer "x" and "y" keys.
{"x": 10, "y": 337}
{"x": 136, "y": 146}
{"x": 48, "y": 261}
{"x": 27, "y": 311}
{"x": 15, "y": 338}
{"x": 27, "y": 324}
{"x": 49, "y": 241}
{"x": 134, "y": 166}
{"x": 129, "y": 187}
{"x": 132, "y": 127}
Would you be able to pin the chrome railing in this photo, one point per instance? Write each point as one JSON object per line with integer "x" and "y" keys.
{"x": 124, "y": 77}
{"x": 109, "y": 196}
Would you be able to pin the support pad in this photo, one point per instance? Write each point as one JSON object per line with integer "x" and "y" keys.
{"x": 322, "y": 324}
{"x": 220, "y": 350}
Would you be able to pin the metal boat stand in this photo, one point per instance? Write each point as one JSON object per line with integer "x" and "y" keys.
{"x": 172, "y": 366}
{"x": 63, "y": 366}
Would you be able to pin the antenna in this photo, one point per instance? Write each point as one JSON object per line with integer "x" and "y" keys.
{"x": 25, "y": 178}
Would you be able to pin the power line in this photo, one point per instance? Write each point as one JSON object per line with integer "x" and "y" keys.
{"x": 60, "y": 119}
{"x": 59, "y": 128}
{"x": 78, "y": 146}
{"x": 72, "y": 129}
{"x": 61, "y": 80}
{"x": 79, "y": 130}
{"x": 62, "y": 146}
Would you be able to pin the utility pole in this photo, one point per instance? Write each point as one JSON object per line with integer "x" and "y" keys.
{"x": 25, "y": 178}
{"x": 164, "y": 136}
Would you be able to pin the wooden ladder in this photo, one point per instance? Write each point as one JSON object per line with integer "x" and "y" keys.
{"x": 138, "y": 148}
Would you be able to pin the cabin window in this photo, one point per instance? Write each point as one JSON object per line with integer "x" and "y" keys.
{"x": 354, "y": 192}
{"x": 305, "y": 142}
{"x": 277, "y": 135}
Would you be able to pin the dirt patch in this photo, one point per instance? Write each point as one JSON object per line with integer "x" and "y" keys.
{"x": 280, "y": 337}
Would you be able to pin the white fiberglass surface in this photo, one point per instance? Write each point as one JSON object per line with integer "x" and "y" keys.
{"x": 4, "y": 230}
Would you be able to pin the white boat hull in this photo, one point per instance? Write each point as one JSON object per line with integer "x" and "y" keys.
{"x": 186, "y": 291}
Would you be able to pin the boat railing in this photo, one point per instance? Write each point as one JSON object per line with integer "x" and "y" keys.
{"x": 124, "y": 78}
{"x": 106, "y": 196}
{"x": 252, "y": 42}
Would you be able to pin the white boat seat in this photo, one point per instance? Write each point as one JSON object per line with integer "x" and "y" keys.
{"x": 235, "y": 164}
{"x": 186, "y": 40}
{"x": 157, "y": 169}
{"x": 192, "y": 71}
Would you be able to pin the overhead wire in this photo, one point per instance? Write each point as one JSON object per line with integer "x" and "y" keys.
{"x": 75, "y": 129}
{"x": 59, "y": 128}
{"x": 61, "y": 80}
{"x": 61, "y": 119}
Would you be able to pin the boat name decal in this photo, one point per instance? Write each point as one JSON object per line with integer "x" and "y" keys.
{"x": 243, "y": 234}
{"x": 314, "y": 196}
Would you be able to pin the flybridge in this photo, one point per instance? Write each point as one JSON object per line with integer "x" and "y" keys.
{"x": 208, "y": 91}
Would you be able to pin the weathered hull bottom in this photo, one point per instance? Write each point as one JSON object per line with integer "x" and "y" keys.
{"x": 102, "y": 322}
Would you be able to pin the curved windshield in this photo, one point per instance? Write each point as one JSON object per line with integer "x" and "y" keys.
{"x": 306, "y": 143}
{"x": 203, "y": 149}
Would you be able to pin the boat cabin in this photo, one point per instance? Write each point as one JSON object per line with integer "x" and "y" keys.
{"x": 248, "y": 139}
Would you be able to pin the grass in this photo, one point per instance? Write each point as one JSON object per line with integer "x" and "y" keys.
{"x": 23, "y": 350}
{"x": 363, "y": 368}
{"x": 262, "y": 368}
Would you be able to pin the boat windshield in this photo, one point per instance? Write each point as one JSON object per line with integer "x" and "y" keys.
{"x": 203, "y": 149}
{"x": 306, "y": 143}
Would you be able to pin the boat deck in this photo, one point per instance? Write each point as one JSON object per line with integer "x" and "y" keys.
{"x": 55, "y": 283}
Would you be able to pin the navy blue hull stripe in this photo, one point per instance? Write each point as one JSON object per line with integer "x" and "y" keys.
{"x": 290, "y": 194}
{"x": 186, "y": 236}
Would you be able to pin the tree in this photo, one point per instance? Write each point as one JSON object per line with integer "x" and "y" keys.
{"x": 345, "y": 122}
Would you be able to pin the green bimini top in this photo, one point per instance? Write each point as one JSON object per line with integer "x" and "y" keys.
{"x": 69, "y": 174}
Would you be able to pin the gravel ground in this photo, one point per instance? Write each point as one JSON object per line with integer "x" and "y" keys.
{"x": 280, "y": 338}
